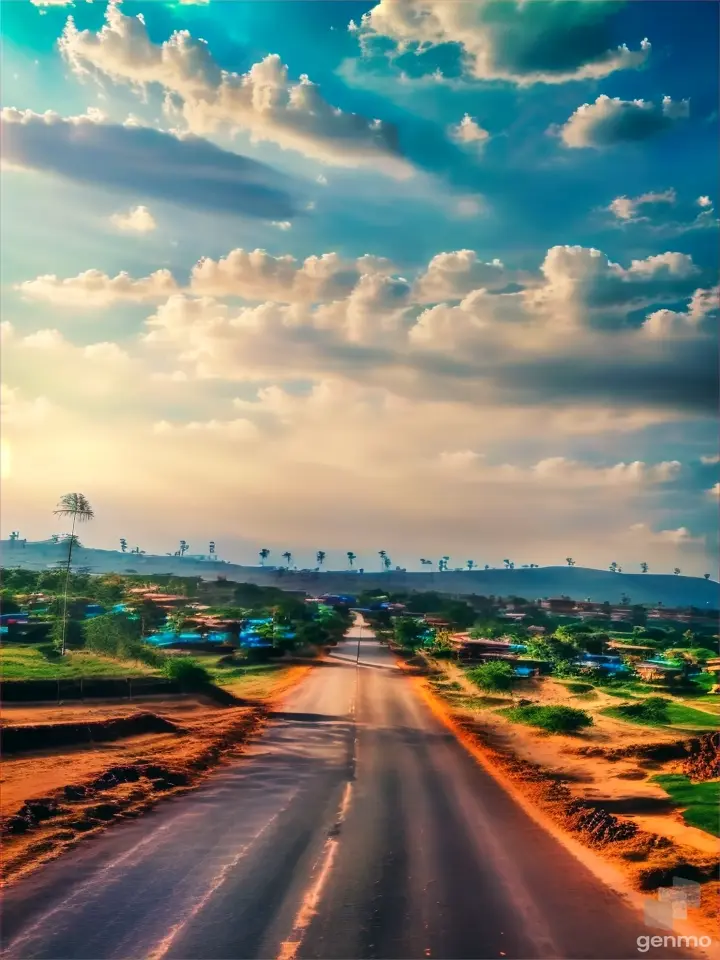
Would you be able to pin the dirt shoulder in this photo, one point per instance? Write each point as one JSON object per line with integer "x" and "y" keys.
{"x": 596, "y": 786}
{"x": 53, "y": 798}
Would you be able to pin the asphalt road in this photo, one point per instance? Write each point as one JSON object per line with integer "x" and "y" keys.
{"x": 356, "y": 827}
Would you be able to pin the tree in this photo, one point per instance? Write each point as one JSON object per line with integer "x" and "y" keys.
{"x": 446, "y": 562}
{"x": 123, "y": 545}
{"x": 320, "y": 557}
{"x": 15, "y": 535}
{"x": 677, "y": 571}
{"x": 184, "y": 547}
{"x": 570, "y": 562}
{"x": 383, "y": 556}
{"x": 706, "y": 576}
{"x": 211, "y": 548}
{"x": 387, "y": 562}
{"x": 287, "y": 556}
{"x": 264, "y": 554}
{"x": 613, "y": 568}
{"x": 644, "y": 567}
{"x": 408, "y": 632}
{"x": 55, "y": 538}
{"x": 508, "y": 564}
{"x": 77, "y": 506}
{"x": 425, "y": 563}
{"x": 351, "y": 558}
{"x": 470, "y": 564}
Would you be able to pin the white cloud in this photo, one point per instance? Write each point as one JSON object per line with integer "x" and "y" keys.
{"x": 710, "y": 459}
{"x": 236, "y": 430}
{"x": 136, "y": 220}
{"x": 512, "y": 41}
{"x": 263, "y": 101}
{"x": 678, "y": 537}
{"x": 93, "y": 289}
{"x": 257, "y": 275}
{"x": 714, "y": 491}
{"x": 702, "y": 307}
{"x": 451, "y": 276}
{"x": 626, "y": 208}
{"x": 460, "y": 459}
{"x": 610, "y": 120}
{"x": 16, "y": 411}
{"x": 469, "y": 133}
{"x": 282, "y": 224}
{"x": 704, "y": 202}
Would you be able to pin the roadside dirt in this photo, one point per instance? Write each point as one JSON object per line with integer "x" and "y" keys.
{"x": 51, "y": 799}
{"x": 595, "y": 786}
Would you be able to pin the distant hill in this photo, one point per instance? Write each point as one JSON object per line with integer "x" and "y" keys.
{"x": 578, "y": 583}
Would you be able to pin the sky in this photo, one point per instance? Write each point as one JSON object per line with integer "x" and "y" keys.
{"x": 429, "y": 277}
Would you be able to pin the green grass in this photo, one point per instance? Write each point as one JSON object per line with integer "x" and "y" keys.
{"x": 553, "y": 719}
{"x": 701, "y": 801}
{"x": 678, "y": 715}
{"x": 27, "y": 662}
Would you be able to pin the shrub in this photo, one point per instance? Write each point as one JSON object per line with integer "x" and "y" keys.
{"x": 495, "y": 676}
{"x": 187, "y": 672}
{"x": 579, "y": 687}
{"x": 553, "y": 719}
{"x": 651, "y": 710}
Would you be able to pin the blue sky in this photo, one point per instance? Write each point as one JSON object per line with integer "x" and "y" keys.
{"x": 423, "y": 276}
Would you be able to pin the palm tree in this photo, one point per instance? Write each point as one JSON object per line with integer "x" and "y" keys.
{"x": 184, "y": 547}
{"x": 706, "y": 576}
{"x": 287, "y": 556}
{"x": 569, "y": 561}
{"x": 613, "y": 568}
{"x": 470, "y": 564}
{"x": 677, "y": 571}
{"x": 123, "y": 545}
{"x": 351, "y": 558}
{"x": 77, "y": 506}
{"x": 507, "y": 564}
{"x": 320, "y": 557}
{"x": 387, "y": 562}
{"x": 264, "y": 554}
{"x": 644, "y": 567}
{"x": 383, "y": 555}
{"x": 446, "y": 562}
{"x": 15, "y": 535}
{"x": 55, "y": 538}
{"x": 211, "y": 547}
{"x": 487, "y": 566}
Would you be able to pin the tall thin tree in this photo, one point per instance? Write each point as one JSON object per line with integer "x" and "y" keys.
{"x": 352, "y": 557}
{"x": 77, "y": 506}
{"x": 264, "y": 554}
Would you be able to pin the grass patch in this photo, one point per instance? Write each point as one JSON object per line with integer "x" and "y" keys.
{"x": 701, "y": 801}
{"x": 28, "y": 662}
{"x": 659, "y": 712}
{"x": 555, "y": 719}
{"x": 622, "y": 694}
{"x": 575, "y": 687}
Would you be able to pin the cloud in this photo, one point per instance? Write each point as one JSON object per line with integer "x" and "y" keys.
{"x": 256, "y": 275}
{"x": 16, "y": 411}
{"x": 678, "y": 537}
{"x": 701, "y": 314}
{"x": 714, "y": 491}
{"x": 521, "y": 43}
{"x": 236, "y": 430}
{"x": 188, "y": 171}
{"x": 451, "y": 276}
{"x": 610, "y": 120}
{"x": 710, "y": 459}
{"x": 469, "y": 133}
{"x": 93, "y": 289}
{"x": 136, "y": 220}
{"x": 626, "y": 208}
{"x": 704, "y": 202}
{"x": 263, "y": 101}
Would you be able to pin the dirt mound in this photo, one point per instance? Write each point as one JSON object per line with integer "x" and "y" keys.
{"x": 703, "y": 762}
{"x": 16, "y": 739}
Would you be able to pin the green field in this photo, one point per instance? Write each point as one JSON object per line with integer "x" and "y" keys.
{"x": 701, "y": 801}
{"x": 28, "y": 662}
{"x": 678, "y": 716}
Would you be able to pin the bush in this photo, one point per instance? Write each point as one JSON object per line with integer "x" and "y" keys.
{"x": 579, "y": 687}
{"x": 495, "y": 676}
{"x": 187, "y": 672}
{"x": 650, "y": 710}
{"x": 552, "y": 719}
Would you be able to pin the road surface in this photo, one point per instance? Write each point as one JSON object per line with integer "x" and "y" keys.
{"x": 356, "y": 827}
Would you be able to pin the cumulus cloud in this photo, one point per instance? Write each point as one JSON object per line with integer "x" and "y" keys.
{"x": 522, "y": 43}
{"x": 681, "y": 536}
{"x": 451, "y": 276}
{"x": 93, "y": 289}
{"x": 17, "y": 411}
{"x": 188, "y": 171}
{"x": 257, "y": 275}
{"x": 710, "y": 458}
{"x": 610, "y": 120}
{"x": 626, "y": 208}
{"x": 263, "y": 101}
{"x": 136, "y": 220}
{"x": 701, "y": 314}
{"x": 562, "y": 471}
{"x": 236, "y": 430}
{"x": 704, "y": 201}
{"x": 469, "y": 133}
{"x": 714, "y": 491}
